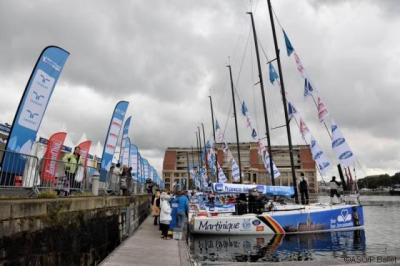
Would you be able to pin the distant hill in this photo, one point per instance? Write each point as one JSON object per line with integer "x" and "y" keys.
{"x": 375, "y": 181}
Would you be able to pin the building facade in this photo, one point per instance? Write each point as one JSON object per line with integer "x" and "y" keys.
{"x": 177, "y": 160}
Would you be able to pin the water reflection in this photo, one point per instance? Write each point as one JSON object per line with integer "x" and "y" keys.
{"x": 275, "y": 248}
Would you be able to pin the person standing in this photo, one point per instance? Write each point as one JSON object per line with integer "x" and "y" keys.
{"x": 129, "y": 181}
{"x": 165, "y": 214}
{"x": 156, "y": 207}
{"x": 115, "y": 179}
{"x": 123, "y": 184}
{"x": 303, "y": 187}
{"x": 182, "y": 212}
{"x": 334, "y": 186}
{"x": 71, "y": 161}
{"x": 253, "y": 195}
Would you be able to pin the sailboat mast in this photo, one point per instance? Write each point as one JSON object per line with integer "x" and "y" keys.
{"x": 198, "y": 149}
{"x": 215, "y": 143}
{"x": 201, "y": 149}
{"x": 188, "y": 171}
{"x": 212, "y": 116}
{"x": 236, "y": 126}
{"x": 192, "y": 156}
{"x": 283, "y": 92}
{"x": 271, "y": 169}
{"x": 205, "y": 149}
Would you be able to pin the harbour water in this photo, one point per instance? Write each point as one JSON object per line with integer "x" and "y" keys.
{"x": 380, "y": 238}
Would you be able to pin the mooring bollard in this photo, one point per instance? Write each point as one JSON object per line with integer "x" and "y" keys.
{"x": 95, "y": 183}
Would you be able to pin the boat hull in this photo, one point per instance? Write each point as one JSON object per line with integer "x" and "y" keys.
{"x": 395, "y": 192}
{"x": 310, "y": 219}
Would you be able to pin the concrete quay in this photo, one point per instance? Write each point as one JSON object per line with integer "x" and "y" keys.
{"x": 146, "y": 248}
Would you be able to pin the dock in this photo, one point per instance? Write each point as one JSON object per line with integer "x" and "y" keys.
{"x": 145, "y": 247}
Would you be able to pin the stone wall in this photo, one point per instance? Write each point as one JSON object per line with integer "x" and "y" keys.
{"x": 67, "y": 231}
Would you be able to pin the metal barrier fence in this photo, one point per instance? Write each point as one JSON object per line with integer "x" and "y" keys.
{"x": 18, "y": 170}
{"x": 30, "y": 172}
{"x": 64, "y": 177}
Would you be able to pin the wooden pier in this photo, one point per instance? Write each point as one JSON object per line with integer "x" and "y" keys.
{"x": 145, "y": 247}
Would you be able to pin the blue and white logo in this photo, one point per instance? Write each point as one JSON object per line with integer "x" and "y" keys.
{"x": 219, "y": 187}
{"x": 313, "y": 142}
{"x": 256, "y": 222}
{"x": 338, "y": 142}
{"x": 32, "y": 114}
{"x": 318, "y": 155}
{"x": 246, "y": 224}
{"x": 37, "y": 95}
{"x": 323, "y": 165}
{"x": 345, "y": 155}
{"x": 344, "y": 216}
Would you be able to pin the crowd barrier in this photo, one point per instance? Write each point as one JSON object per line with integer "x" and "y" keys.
{"x": 30, "y": 172}
{"x": 18, "y": 170}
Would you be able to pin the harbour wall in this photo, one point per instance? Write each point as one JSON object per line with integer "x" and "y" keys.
{"x": 67, "y": 231}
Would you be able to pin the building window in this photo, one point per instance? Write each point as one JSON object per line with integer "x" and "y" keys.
{"x": 176, "y": 175}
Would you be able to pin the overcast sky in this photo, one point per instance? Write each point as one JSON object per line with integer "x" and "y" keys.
{"x": 166, "y": 57}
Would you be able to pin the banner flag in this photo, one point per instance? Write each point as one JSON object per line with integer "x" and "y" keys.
{"x": 151, "y": 176}
{"x": 114, "y": 130}
{"x": 299, "y": 65}
{"x": 267, "y": 165}
{"x": 203, "y": 178}
{"x": 235, "y": 171}
{"x": 308, "y": 89}
{"x": 32, "y": 107}
{"x": 220, "y": 135}
{"x": 84, "y": 148}
{"x": 221, "y": 176}
{"x": 319, "y": 156}
{"x": 304, "y": 129}
{"x": 125, "y": 132}
{"x": 273, "y": 76}
{"x": 322, "y": 111}
{"x": 341, "y": 148}
{"x": 290, "y": 50}
{"x": 244, "y": 109}
{"x": 134, "y": 161}
{"x": 146, "y": 169}
{"x": 289, "y": 46}
{"x": 139, "y": 173}
{"x": 125, "y": 157}
{"x": 263, "y": 152}
{"x": 52, "y": 155}
{"x": 291, "y": 110}
{"x": 211, "y": 156}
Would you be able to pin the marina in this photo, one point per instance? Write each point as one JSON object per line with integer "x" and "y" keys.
{"x": 188, "y": 133}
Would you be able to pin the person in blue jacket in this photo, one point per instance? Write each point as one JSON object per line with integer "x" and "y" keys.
{"x": 180, "y": 206}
